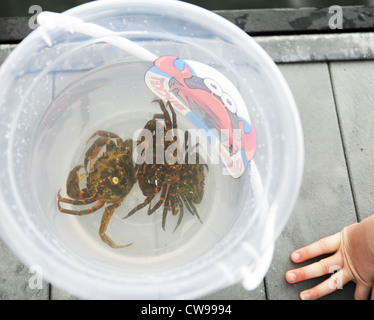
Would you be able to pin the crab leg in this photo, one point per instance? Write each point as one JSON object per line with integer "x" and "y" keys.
{"x": 187, "y": 205}
{"x": 107, "y": 216}
{"x": 72, "y": 183}
{"x": 166, "y": 114}
{"x": 160, "y": 202}
{"x": 180, "y": 213}
{"x": 174, "y": 116}
{"x": 140, "y": 206}
{"x": 158, "y": 116}
{"x": 164, "y": 214}
{"x": 194, "y": 209}
{"x": 173, "y": 203}
{"x": 76, "y": 201}
{"x": 105, "y": 134}
{"x": 97, "y": 206}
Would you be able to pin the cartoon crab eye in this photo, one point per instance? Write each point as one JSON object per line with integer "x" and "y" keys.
{"x": 229, "y": 102}
{"x": 213, "y": 86}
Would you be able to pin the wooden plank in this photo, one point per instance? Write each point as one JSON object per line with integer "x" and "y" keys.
{"x": 353, "y": 84}
{"x": 325, "y": 203}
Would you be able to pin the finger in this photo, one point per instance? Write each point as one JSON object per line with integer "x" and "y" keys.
{"x": 372, "y": 293}
{"x": 317, "y": 269}
{"x": 336, "y": 281}
{"x": 362, "y": 292}
{"x": 326, "y": 245}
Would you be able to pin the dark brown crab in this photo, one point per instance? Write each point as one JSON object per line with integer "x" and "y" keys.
{"x": 179, "y": 184}
{"x": 109, "y": 179}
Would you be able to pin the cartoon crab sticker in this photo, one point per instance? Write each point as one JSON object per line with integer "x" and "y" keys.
{"x": 210, "y": 101}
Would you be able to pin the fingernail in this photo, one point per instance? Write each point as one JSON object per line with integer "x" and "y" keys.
{"x": 305, "y": 296}
{"x": 295, "y": 256}
{"x": 291, "y": 277}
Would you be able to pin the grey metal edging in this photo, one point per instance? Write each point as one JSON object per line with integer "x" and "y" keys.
{"x": 318, "y": 47}
{"x": 301, "y": 48}
{"x": 301, "y": 20}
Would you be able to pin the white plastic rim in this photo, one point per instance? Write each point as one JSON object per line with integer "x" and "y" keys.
{"x": 33, "y": 249}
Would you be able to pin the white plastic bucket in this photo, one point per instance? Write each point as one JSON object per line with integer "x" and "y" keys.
{"x": 65, "y": 81}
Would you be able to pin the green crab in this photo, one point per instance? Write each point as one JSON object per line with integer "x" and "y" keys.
{"x": 109, "y": 179}
{"x": 179, "y": 184}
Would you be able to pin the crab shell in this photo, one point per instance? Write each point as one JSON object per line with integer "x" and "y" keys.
{"x": 112, "y": 175}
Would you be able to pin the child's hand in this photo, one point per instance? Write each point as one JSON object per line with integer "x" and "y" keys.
{"x": 353, "y": 260}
